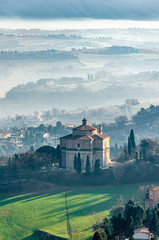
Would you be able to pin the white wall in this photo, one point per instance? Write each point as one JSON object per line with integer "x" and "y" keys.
{"x": 140, "y": 236}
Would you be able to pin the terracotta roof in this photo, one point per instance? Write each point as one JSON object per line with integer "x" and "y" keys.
{"x": 98, "y": 135}
{"x": 142, "y": 230}
{"x": 70, "y": 136}
{"x": 77, "y": 137}
{"x": 85, "y": 138}
{"x": 85, "y": 128}
{"x": 154, "y": 188}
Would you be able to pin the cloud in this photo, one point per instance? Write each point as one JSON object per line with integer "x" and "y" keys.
{"x": 106, "y": 9}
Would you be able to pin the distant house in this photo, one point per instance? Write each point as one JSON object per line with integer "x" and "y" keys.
{"x": 141, "y": 233}
{"x": 152, "y": 197}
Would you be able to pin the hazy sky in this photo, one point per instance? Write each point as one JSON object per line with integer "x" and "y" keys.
{"x": 107, "y": 9}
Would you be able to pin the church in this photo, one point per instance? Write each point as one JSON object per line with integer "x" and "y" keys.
{"x": 87, "y": 141}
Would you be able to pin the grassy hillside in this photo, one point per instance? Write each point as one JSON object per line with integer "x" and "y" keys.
{"x": 21, "y": 215}
{"x": 85, "y": 206}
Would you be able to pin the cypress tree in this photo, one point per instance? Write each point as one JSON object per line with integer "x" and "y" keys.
{"x": 88, "y": 166}
{"x": 129, "y": 211}
{"x": 97, "y": 169}
{"x": 58, "y": 150}
{"x": 131, "y": 227}
{"x": 132, "y": 139}
{"x": 140, "y": 216}
{"x": 149, "y": 215}
{"x": 129, "y": 145}
{"x": 79, "y": 163}
{"x": 75, "y": 162}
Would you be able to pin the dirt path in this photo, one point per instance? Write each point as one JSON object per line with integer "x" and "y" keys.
{"x": 67, "y": 219}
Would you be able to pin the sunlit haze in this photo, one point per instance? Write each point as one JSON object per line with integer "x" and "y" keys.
{"x": 76, "y": 24}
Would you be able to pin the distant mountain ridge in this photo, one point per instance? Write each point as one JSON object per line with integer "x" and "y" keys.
{"x": 101, "y": 9}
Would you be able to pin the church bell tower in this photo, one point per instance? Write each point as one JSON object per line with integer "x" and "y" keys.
{"x": 84, "y": 122}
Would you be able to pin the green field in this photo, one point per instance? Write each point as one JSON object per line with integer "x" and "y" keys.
{"x": 21, "y": 215}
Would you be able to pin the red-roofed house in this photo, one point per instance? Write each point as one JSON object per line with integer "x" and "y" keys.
{"x": 86, "y": 141}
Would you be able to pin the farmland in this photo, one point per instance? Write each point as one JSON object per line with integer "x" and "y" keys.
{"x": 21, "y": 215}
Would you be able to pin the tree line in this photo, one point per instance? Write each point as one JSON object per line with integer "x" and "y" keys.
{"x": 78, "y": 165}
{"x": 27, "y": 165}
{"x": 146, "y": 151}
{"x": 125, "y": 219}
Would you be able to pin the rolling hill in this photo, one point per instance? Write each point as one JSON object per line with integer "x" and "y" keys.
{"x": 22, "y": 215}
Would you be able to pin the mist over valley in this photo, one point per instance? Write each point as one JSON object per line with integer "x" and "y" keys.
{"x": 77, "y": 69}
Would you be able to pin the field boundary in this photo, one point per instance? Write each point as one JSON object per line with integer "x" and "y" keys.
{"x": 46, "y": 235}
{"x": 67, "y": 218}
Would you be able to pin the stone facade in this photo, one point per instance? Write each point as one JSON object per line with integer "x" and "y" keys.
{"x": 152, "y": 197}
{"x": 86, "y": 141}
